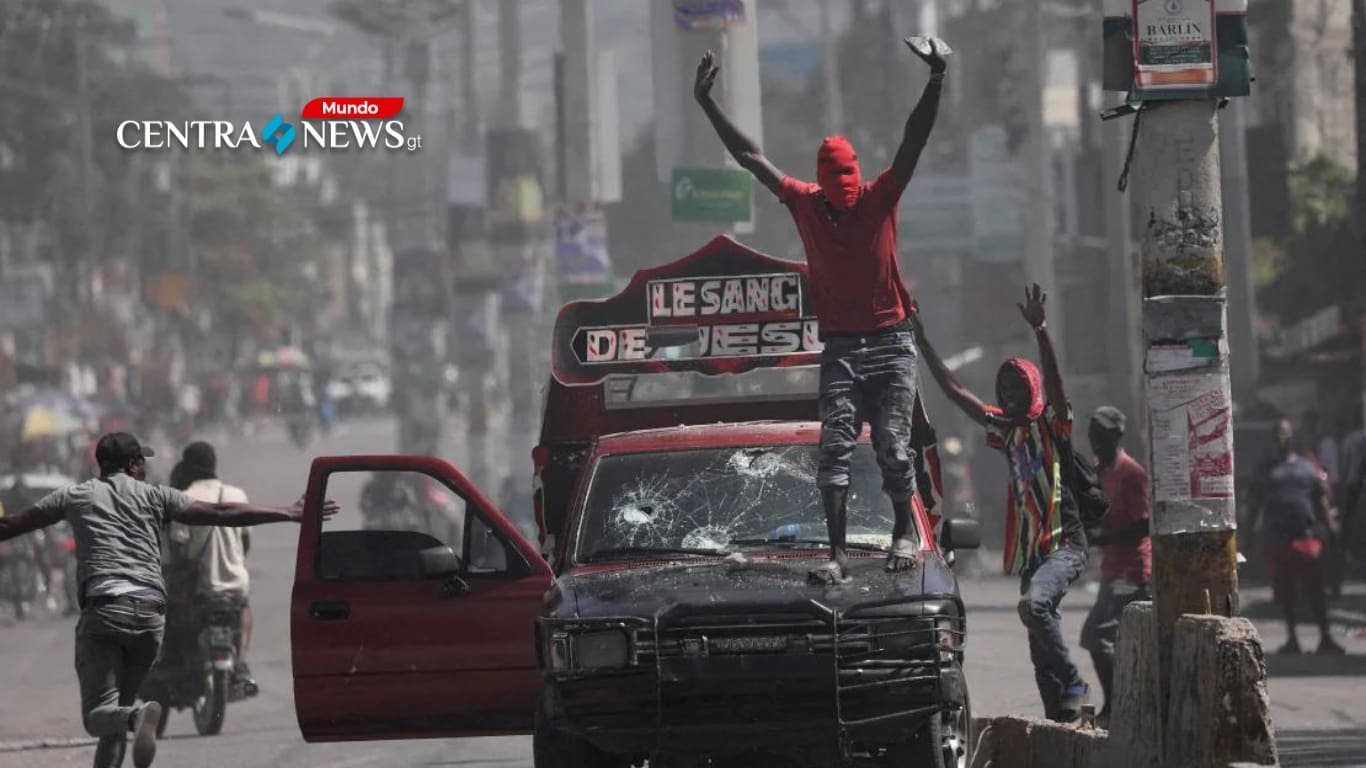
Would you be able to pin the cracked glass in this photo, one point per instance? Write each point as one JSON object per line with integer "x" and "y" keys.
{"x": 719, "y": 501}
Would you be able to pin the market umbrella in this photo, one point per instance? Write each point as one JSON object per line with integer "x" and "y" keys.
{"x": 57, "y": 400}
{"x": 41, "y": 421}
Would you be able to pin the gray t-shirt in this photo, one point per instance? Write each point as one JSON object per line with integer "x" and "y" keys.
{"x": 116, "y": 521}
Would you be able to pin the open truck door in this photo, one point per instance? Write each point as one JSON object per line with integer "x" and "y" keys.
{"x": 413, "y": 611}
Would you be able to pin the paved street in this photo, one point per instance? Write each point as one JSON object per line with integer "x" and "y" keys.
{"x": 1317, "y": 702}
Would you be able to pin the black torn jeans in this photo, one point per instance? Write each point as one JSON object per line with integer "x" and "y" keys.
{"x": 869, "y": 379}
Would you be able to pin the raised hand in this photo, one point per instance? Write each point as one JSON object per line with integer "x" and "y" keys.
{"x": 707, "y": 70}
{"x": 931, "y": 50}
{"x": 1033, "y": 308}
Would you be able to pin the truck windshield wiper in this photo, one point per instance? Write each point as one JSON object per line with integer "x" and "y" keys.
{"x": 611, "y": 552}
{"x": 793, "y": 543}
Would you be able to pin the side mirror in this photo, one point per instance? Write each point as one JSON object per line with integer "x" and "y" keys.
{"x": 960, "y": 533}
{"x": 438, "y": 562}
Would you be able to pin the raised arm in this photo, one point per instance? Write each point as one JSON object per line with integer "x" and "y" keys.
{"x": 30, "y": 519}
{"x": 953, "y": 389}
{"x": 744, "y": 149}
{"x": 1034, "y": 314}
{"x": 921, "y": 121}
{"x": 235, "y": 514}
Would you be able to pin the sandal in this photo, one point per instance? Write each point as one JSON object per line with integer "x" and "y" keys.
{"x": 902, "y": 556}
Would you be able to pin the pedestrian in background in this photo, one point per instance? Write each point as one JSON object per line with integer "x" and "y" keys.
{"x": 1291, "y": 499}
{"x": 1045, "y": 542}
{"x": 214, "y": 558}
{"x": 1126, "y": 566}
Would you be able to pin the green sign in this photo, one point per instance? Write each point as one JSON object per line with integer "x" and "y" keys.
{"x": 708, "y": 194}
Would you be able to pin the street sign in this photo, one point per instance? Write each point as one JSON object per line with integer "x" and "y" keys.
{"x": 1174, "y": 43}
{"x": 711, "y": 194}
{"x": 582, "y": 261}
{"x": 704, "y": 15}
{"x": 1177, "y": 49}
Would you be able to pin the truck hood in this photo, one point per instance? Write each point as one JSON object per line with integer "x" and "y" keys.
{"x": 642, "y": 589}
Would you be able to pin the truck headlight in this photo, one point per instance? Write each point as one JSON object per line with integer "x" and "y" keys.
{"x": 949, "y": 635}
{"x": 559, "y": 651}
{"x": 601, "y": 650}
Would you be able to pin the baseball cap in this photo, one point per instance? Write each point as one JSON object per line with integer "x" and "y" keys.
{"x": 1110, "y": 417}
{"x": 117, "y": 450}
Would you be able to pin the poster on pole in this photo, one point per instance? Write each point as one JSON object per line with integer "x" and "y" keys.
{"x": 1192, "y": 434}
{"x": 1174, "y": 44}
{"x": 707, "y": 15}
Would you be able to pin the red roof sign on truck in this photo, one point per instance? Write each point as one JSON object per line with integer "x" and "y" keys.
{"x": 723, "y": 309}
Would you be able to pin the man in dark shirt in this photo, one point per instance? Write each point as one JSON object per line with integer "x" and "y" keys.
{"x": 849, "y": 231}
{"x": 117, "y": 520}
{"x": 1290, "y": 498}
{"x": 1045, "y": 543}
{"x": 1127, "y": 549}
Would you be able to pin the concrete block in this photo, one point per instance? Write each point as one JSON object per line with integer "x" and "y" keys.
{"x": 1136, "y": 715}
{"x": 1019, "y": 742}
{"x": 1219, "y": 712}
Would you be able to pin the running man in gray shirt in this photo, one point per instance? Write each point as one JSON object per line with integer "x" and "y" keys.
{"x": 116, "y": 520}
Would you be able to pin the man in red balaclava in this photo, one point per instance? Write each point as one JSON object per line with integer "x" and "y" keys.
{"x": 1045, "y": 542}
{"x": 868, "y": 373}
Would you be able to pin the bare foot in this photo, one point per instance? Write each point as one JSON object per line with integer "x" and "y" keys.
{"x": 829, "y": 573}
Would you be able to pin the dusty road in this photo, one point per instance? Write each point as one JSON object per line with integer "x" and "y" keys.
{"x": 1318, "y": 704}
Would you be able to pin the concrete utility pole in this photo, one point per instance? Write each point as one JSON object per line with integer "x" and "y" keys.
{"x": 1126, "y": 356}
{"x": 1245, "y": 360}
{"x": 1177, "y": 188}
{"x": 1359, "y": 49}
{"x": 85, "y": 260}
{"x": 684, "y": 137}
{"x": 1037, "y": 158}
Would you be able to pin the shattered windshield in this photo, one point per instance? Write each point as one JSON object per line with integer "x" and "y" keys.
{"x": 713, "y": 500}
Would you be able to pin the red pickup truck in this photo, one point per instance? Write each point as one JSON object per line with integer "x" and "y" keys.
{"x": 666, "y": 614}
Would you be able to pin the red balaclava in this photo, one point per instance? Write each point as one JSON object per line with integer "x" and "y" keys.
{"x": 1034, "y": 380}
{"x": 837, "y": 172}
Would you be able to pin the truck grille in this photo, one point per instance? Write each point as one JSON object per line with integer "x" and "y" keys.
{"x": 736, "y": 636}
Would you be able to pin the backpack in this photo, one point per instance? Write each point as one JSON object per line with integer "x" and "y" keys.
{"x": 1080, "y": 481}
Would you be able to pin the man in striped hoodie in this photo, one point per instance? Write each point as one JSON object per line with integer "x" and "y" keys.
{"x": 1045, "y": 541}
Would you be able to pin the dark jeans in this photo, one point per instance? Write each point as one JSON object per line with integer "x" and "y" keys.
{"x": 116, "y": 644}
{"x": 869, "y": 379}
{"x": 1101, "y": 630}
{"x": 1041, "y": 592}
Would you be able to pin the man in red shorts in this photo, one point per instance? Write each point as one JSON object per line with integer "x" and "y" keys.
{"x": 849, "y": 231}
{"x": 1291, "y": 499}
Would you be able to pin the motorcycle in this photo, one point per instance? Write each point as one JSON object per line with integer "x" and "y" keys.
{"x": 198, "y": 665}
{"x": 28, "y": 564}
{"x": 21, "y": 578}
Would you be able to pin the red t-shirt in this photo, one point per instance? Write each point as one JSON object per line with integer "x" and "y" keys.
{"x": 855, "y": 281}
{"x": 1126, "y": 486}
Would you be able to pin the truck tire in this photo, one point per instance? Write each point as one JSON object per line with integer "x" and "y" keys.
{"x": 553, "y": 748}
{"x": 944, "y": 741}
